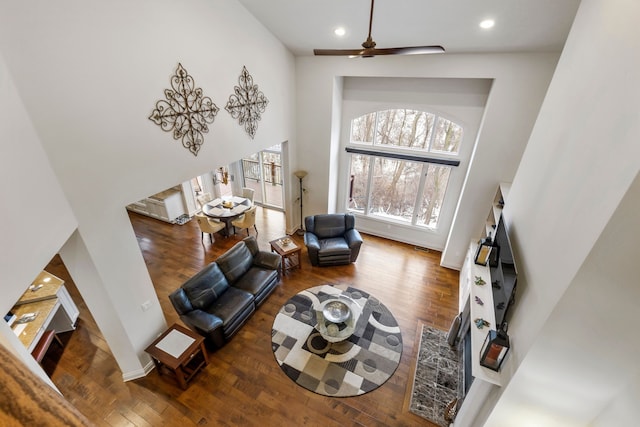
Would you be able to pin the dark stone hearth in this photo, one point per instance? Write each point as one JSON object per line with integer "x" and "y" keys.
{"x": 436, "y": 378}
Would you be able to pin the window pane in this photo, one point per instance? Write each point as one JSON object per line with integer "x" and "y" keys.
{"x": 434, "y": 190}
{"x": 448, "y": 136}
{"x": 404, "y": 128}
{"x": 394, "y": 188}
{"x": 362, "y": 129}
{"x": 358, "y": 183}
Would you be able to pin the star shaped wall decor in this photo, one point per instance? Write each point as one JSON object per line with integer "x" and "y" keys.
{"x": 247, "y": 103}
{"x": 186, "y": 112}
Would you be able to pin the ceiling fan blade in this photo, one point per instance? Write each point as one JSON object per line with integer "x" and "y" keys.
{"x": 414, "y": 50}
{"x": 338, "y": 52}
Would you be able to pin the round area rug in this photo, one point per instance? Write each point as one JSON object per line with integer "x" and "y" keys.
{"x": 349, "y": 365}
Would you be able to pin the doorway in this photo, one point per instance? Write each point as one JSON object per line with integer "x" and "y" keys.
{"x": 262, "y": 171}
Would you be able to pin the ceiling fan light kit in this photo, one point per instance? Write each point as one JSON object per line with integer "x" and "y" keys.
{"x": 369, "y": 48}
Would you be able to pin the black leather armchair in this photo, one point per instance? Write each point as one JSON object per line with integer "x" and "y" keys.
{"x": 218, "y": 300}
{"x": 331, "y": 239}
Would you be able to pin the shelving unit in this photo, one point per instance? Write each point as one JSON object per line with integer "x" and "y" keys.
{"x": 484, "y": 311}
{"x": 496, "y": 210}
{"x": 469, "y": 290}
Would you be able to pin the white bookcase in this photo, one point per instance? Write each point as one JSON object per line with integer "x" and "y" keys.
{"x": 469, "y": 290}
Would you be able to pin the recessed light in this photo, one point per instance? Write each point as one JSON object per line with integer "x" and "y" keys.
{"x": 340, "y": 31}
{"x": 487, "y": 23}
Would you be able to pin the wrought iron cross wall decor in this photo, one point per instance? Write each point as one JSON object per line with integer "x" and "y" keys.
{"x": 186, "y": 112}
{"x": 247, "y": 103}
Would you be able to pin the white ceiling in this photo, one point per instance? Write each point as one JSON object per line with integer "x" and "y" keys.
{"x": 521, "y": 25}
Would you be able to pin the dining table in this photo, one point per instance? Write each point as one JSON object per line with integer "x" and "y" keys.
{"x": 226, "y": 209}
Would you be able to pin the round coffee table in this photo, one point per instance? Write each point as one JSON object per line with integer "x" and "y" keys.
{"x": 337, "y": 317}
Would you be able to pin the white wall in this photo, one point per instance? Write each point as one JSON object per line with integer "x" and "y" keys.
{"x": 519, "y": 85}
{"x": 572, "y": 213}
{"x": 36, "y": 218}
{"x": 623, "y": 410}
{"x": 89, "y": 74}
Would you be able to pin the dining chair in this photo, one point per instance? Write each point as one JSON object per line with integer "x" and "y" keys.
{"x": 203, "y": 199}
{"x": 247, "y": 220}
{"x": 208, "y": 225}
{"x": 248, "y": 193}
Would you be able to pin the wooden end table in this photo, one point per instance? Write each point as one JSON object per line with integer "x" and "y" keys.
{"x": 290, "y": 254}
{"x": 179, "y": 351}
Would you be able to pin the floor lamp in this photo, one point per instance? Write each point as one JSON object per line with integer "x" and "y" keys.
{"x": 300, "y": 175}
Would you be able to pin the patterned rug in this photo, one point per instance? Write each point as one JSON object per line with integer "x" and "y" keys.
{"x": 437, "y": 376}
{"x": 357, "y": 365}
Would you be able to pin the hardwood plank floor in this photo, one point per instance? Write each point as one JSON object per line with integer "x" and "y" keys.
{"x": 243, "y": 385}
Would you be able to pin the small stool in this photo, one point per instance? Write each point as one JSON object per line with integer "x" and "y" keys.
{"x": 43, "y": 345}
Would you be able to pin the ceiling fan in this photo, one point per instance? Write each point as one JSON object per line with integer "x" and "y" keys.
{"x": 369, "y": 48}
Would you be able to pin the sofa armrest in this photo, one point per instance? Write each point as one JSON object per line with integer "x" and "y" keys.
{"x": 267, "y": 260}
{"x": 312, "y": 243}
{"x": 206, "y": 324}
{"x": 353, "y": 238}
{"x": 180, "y": 301}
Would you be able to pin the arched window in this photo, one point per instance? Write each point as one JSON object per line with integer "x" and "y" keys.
{"x": 400, "y": 162}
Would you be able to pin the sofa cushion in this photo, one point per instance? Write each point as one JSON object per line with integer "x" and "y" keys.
{"x": 235, "y": 262}
{"x": 232, "y": 307}
{"x": 206, "y": 286}
{"x": 256, "y": 280}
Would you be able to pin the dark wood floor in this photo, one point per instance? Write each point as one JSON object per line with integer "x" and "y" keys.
{"x": 243, "y": 385}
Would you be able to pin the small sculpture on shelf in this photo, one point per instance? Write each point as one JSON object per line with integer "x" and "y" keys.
{"x": 479, "y": 281}
{"x": 479, "y": 301}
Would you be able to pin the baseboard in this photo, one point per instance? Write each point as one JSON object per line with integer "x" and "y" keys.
{"x": 139, "y": 373}
{"x": 451, "y": 266}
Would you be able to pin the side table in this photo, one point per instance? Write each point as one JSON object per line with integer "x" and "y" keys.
{"x": 179, "y": 351}
{"x": 290, "y": 253}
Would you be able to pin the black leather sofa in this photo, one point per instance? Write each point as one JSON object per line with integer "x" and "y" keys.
{"x": 222, "y": 296}
{"x": 331, "y": 239}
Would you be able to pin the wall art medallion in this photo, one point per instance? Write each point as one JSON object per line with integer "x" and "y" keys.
{"x": 185, "y": 111}
{"x": 247, "y": 104}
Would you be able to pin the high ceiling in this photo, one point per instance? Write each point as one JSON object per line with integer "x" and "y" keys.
{"x": 520, "y": 25}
